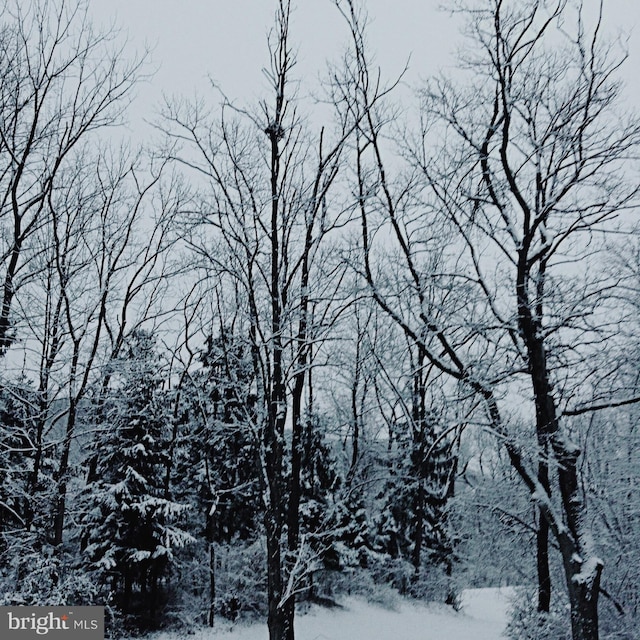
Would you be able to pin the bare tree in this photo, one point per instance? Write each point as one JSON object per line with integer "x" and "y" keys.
{"x": 62, "y": 81}
{"x": 526, "y": 170}
{"x": 267, "y": 212}
{"x": 109, "y": 279}
{"x": 95, "y": 280}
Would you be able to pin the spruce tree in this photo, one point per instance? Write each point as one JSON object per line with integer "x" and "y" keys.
{"x": 413, "y": 527}
{"x": 217, "y": 472}
{"x": 130, "y": 526}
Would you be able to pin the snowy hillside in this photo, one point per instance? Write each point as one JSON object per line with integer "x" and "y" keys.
{"x": 483, "y": 617}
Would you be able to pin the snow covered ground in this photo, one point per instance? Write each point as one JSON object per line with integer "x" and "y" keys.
{"x": 483, "y": 617}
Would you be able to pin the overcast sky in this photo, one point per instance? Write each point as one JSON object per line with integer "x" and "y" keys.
{"x": 226, "y": 40}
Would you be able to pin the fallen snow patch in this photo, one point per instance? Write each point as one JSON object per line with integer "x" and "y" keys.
{"x": 483, "y": 616}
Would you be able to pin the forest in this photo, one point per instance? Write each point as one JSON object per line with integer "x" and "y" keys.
{"x": 358, "y": 340}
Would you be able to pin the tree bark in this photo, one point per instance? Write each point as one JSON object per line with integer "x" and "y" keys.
{"x": 582, "y": 569}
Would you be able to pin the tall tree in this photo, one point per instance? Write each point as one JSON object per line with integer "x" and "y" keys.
{"x": 264, "y": 220}
{"x": 61, "y": 82}
{"x": 130, "y": 529}
{"x": 530, "y": 176}
{"x": 99, "y": 279}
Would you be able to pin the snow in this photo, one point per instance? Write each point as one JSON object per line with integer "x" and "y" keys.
{"x": 588, "y": 572}
{"x": 483, "y": 616}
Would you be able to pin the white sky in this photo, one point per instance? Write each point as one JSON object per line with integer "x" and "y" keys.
{"x": 226, "y": 39}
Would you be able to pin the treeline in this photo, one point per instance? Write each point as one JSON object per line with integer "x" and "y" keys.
{"x": 266, "y": 361}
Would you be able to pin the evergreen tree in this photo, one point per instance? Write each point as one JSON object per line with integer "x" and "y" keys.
{"x": 217, "y": 461}
{"x": 321, "y": 518}
{"x": 217, "y": 471}
{"x": 229, "y": 443}
{"x": 130, "y": 528}
{"x": 16, "y": 458}
{"x": 413, "y": 527}
{"x": 28, "y": 572}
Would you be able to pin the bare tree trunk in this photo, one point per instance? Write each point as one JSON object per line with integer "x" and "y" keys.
{"x": 211, "y": 615}
{"x": 542, "y": 564}
{"x": 418, "y": 452}
{"x": 61, "y": 476}
{"x": 582, "y": 570}
{"x": 281, "y": 610}
{"x": 303, "y": 348}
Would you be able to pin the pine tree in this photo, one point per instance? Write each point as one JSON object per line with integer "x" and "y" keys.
{"x": 217, "y": 471}
{"x": 16, "y": 458}
{"x": 413, "y": 527}
{"x": 130, "y": 528}
{"x": 230, "y": 445}
{"x": 321, "y": 518}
